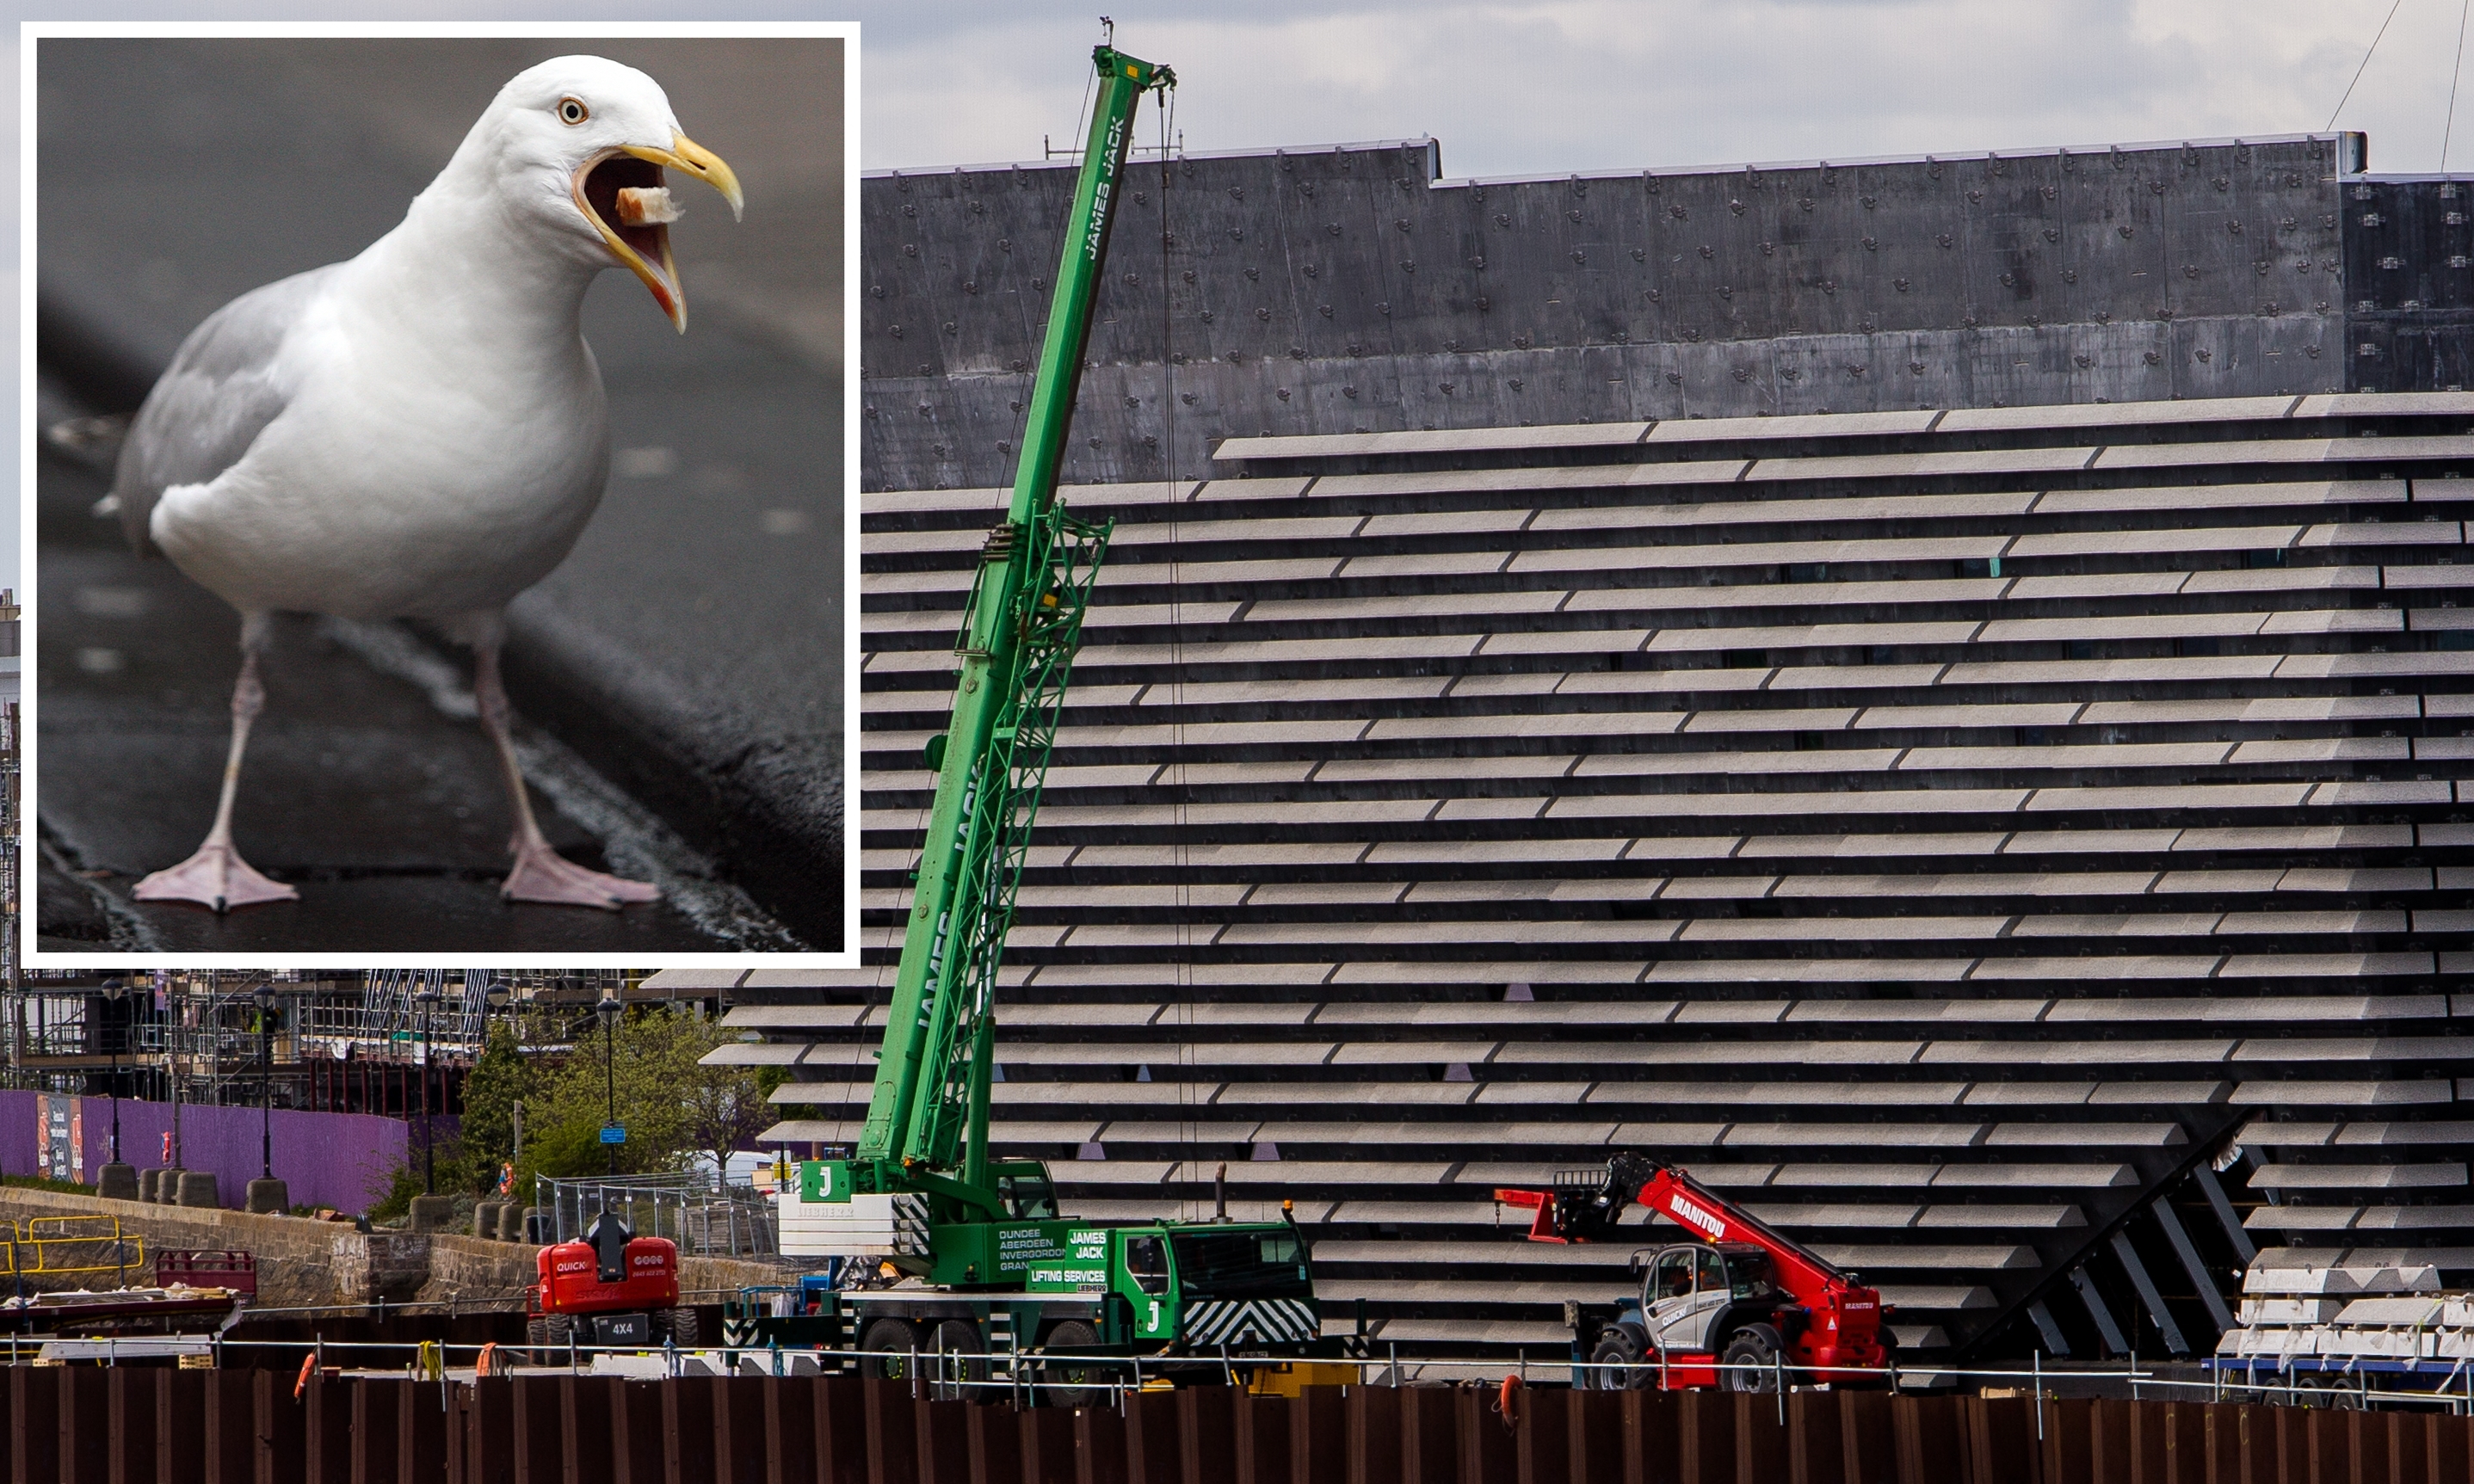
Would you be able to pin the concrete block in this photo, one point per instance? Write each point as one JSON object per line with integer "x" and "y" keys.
{"x": 117, "y": 1181}
{"x": 2385, "y": 532}
{"x": 2102, "y": 415}
{"x": 197, "y": 1187}
{"x": 1703, "y": 554}
{"x": 1444, "y": 440}
{"x": 1926, "y": 465}
{"x": 372, "y": 1265}
{"x": 269, "y": 1197}
{"x": 2258, "y": 496}
{"x": 2124, "y": 542}
{"x": 2132, "y": 626}
{"x": 2309, "y": 579}
{"x": 433, "y": 1212}
{"x": 1861, "y": 424}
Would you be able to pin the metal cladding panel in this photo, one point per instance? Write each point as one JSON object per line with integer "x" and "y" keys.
{"x": 1342, "y": 290}
{"x": 2410, "y": 285}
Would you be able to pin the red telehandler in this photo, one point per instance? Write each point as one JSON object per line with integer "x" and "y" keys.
{"x": 1742, "y": 1296}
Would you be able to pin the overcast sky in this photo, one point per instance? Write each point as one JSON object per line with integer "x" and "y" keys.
{"x": 1583, "y": 84}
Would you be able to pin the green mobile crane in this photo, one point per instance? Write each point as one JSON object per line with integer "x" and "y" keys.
{"x": 995, "y": 1269}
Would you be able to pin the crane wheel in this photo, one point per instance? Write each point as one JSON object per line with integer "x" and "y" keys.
{"x": 895, "y": 1341}
{"x": 1067, "y": 1381}
{"x": 1619, "y": 1345}
{"x": 1755, "y": 1346}
{"x": 956, "y": 1360}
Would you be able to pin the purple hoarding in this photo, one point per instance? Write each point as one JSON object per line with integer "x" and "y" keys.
{"x": 327, "y": 1159}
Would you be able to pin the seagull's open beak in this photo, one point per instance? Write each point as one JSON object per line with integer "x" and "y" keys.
{"x": 621, "y": 193}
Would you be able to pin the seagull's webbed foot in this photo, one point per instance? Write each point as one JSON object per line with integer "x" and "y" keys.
{"x": 542, "y": 875}
{"x": 215, "y": 877}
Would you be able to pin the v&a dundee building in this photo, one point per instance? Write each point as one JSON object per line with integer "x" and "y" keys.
{"x": 1937, "y": 693}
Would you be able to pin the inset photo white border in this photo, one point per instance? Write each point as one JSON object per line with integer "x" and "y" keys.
{"x": 640, "y": 842}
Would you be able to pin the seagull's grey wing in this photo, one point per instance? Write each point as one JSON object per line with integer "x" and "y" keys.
{"x": 219, "y": 394}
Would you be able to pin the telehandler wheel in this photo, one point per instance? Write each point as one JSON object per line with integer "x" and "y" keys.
{"x": 896, "y": 1341}
{"x": 1066, "y": 1382}
{"x": 1755, "y": 1346}
{"x": 1618, "y": 1346}
{"x": 954, "y": 1361}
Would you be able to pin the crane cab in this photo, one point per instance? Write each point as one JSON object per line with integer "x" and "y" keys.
{"x": 1024, "y": 1189}
{"x": 1690, "y": 1292}
{"x": 1210, "y": 1284}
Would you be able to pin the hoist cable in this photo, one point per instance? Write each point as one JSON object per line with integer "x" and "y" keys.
{"x": 1181, "y": 893}
{"x": 2366, "y": 62}
{"x": 2456, "y": 72}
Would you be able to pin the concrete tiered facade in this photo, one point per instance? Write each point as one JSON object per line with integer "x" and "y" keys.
{"x": 1938, "y": 829}
{"x": 1958, "y": 831}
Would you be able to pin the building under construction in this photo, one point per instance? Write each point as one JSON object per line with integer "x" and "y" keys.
{"x": 391, "y": 1042}
{"x": 1936, "y": 693}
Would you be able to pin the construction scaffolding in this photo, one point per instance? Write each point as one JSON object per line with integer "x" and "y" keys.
{"x": 409, "y": 1015}
{"x": 394, "y": 1041}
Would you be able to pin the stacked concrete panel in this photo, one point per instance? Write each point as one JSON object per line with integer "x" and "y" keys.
{"x": 1947, "y": 831}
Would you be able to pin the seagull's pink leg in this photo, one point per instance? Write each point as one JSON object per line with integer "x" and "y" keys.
{"x": 217, "y": 876}
{"x": 541, "y": 874}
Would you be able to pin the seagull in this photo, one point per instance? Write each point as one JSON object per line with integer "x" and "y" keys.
{"x": 418, "y": 432}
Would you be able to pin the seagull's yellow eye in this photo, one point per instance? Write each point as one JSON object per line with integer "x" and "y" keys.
{"x": 573, "y": 111}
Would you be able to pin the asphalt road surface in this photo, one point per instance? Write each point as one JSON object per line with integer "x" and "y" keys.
{"x": 682, "y": 672}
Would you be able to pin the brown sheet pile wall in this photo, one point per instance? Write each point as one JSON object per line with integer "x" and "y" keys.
{"x": 89, "y": 1426}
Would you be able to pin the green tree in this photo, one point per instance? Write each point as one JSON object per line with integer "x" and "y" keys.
{"x": 726, "y": 1104}
{"x": 500, "y": 1080}
{"x": 671, "y": 1105}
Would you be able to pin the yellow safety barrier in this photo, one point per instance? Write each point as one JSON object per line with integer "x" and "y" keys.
{"x": 64, "y": 1245}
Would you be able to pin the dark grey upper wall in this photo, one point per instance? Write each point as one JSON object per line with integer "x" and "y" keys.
{"x": 2409, "y": 283}
{"x": 1348, "y": 289}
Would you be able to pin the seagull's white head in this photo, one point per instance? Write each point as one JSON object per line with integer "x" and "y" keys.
{"x": 577, "y": 145}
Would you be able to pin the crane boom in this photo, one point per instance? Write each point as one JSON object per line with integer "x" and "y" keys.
{"x": 997, "y": 1262}
{"x": 928, "y": 1113}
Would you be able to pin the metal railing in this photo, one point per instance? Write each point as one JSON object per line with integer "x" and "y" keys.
{"x": 1034, "y": 1375}
{"x": 705, "y": 1220}
{"x": 68, "y": 1246}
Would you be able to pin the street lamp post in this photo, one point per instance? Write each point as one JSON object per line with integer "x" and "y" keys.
{"x": 266, "y": 1080}
{"x": 426, "y": 998}
{"x": 175, "y": 1028}
{"x": 608, "y": 1011}
{"x": 267, "y": 1195}
{"x": 506, "y": 1209}
{"x": 429, "y": 1210}
{"x": 115, "y": 1181}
